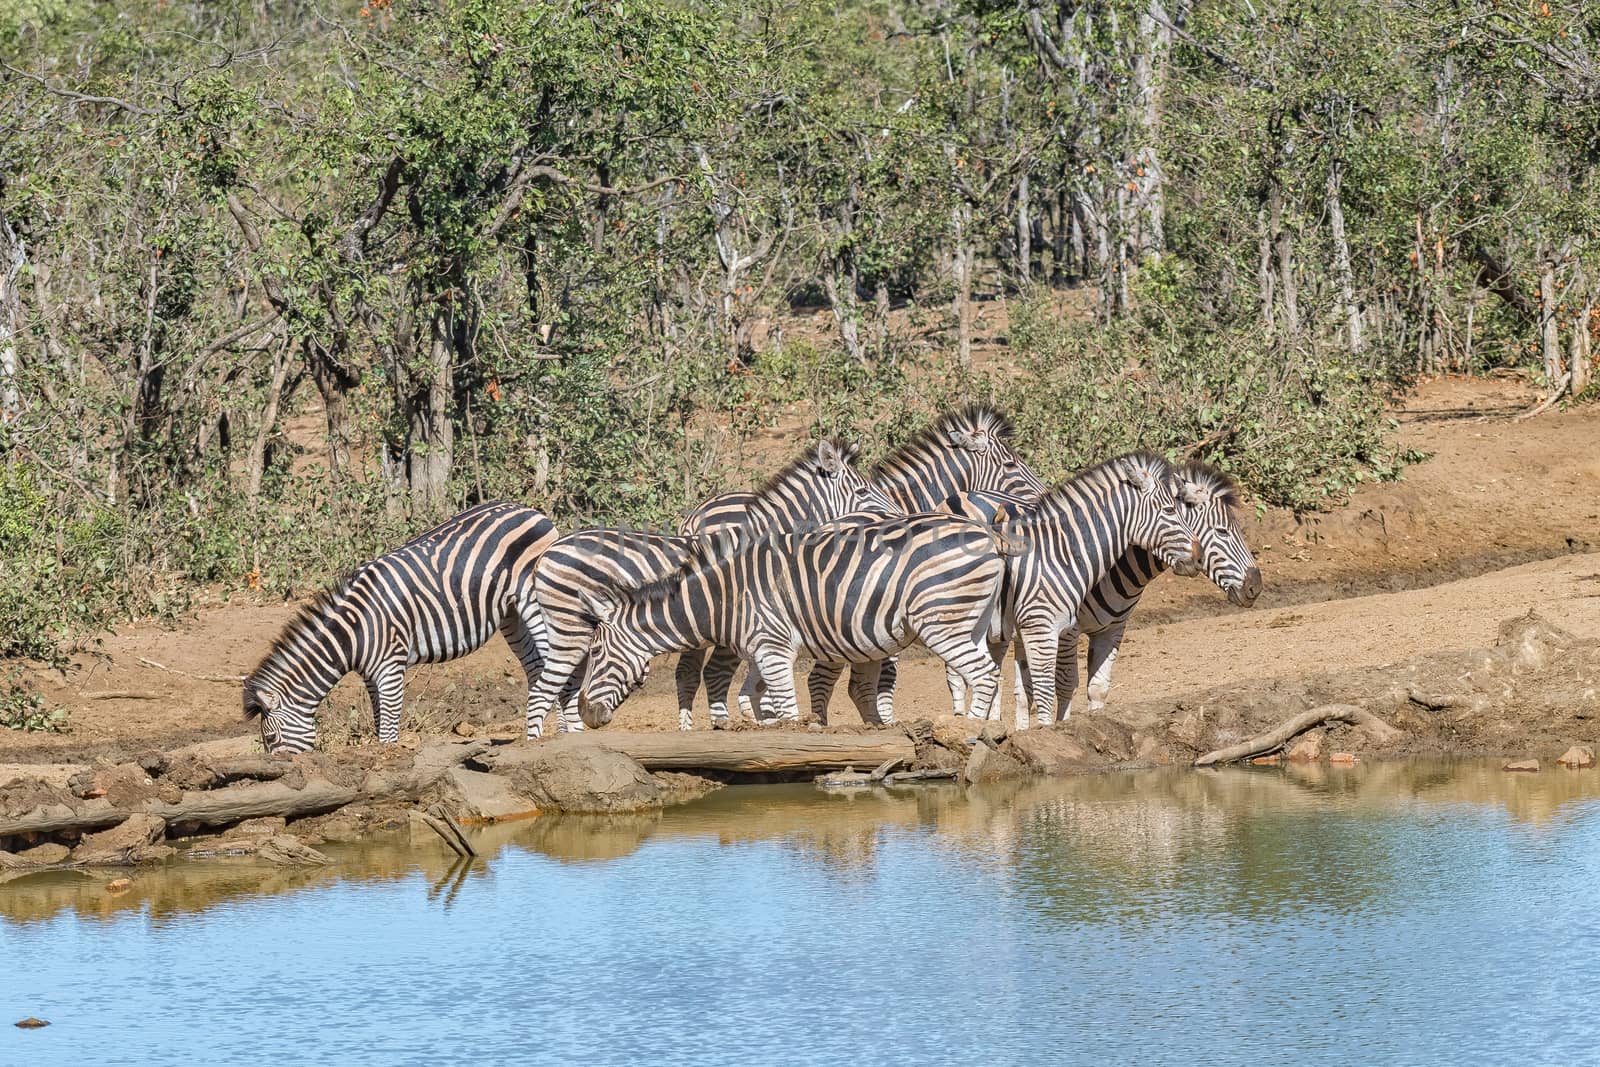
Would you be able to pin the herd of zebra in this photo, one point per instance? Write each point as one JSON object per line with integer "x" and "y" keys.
{"x": 951, "y": 541}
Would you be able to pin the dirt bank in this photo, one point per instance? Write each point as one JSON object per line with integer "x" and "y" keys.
{"x": 1430, "y": 565}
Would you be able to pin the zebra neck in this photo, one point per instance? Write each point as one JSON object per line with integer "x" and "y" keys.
{"x": 1095, "y": 527}
{"x": 920, "y": 486}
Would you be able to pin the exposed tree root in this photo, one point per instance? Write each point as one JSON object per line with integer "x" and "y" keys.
{"x": 1286, "y": 731}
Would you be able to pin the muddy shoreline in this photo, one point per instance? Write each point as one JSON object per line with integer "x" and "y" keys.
{"x": 1531, "y": 695}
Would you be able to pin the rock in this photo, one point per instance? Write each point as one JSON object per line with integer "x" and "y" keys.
{"x": 814, "y": 727}
{"x": 1529, "y": 642}
{"x": 265, "y": 826}
{"x": 233, "y": 846}
{"x": 464, "y": 729}
{"x": 987, "y": 764}
{"x": 126, "y": 785}
{"x": 30, "y": 1023}
{"x": 154, "y": 763}
{"x": 290, "y": 851}
{"x": 1342, "y": 757}
{"x": 119, "y": 885}
{"x": 582, "y": 777}
{"x": 1577, "y": 757}
{"x": 1529, "y": 765}
{"x": 124, "y": 843}
{"x": 1188, "y": 729}
{"x": 993, "y": 733}
{"x": 1106, "y": 736}
{"x": 680, "y": 788}
{"x": 1271, "y": 761}
{"x": 1046, "y": 751}
{"x": 1307, "y": 748}
{"x": 481, "y": 797}
{"x": 46, "y": 854}
{"x": 1150, "y": 749}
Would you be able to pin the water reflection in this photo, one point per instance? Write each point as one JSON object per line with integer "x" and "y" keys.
{"x": 1249, "y": 841}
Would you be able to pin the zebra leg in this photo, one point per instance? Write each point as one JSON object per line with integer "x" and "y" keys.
{"x": 1067, "y": 673}
{"x": 1102, "y": 657}
{"x": 570, "y": 721}
{"x": 687, "y": 676}
{"x": 1042, "y": 643}
{"x": 958, "y": 691}
{"x": 753, "y": 695}
{"x": 864, "y": 691}
{"x": 970, "y": 659}
{"x": 387, "y": 688}
{"x": 524, "y": 631}
{"x": 819, "y": 687}
{"x": 1022, "y": 683}
{"x": 721, "y": 666}
{"x": 558, "y": 680}
{"x": 888, "y": 679}
{"x": 775, "y": 668}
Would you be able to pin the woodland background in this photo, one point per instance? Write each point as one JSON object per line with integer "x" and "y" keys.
{"x": 282, "y": 282}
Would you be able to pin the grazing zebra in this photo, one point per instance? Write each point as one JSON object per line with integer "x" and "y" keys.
{"x": 811, "y": 490}
{"x": 851, "y": 595}
{"x": 437, "y": 597}
{"x": 820, "y": 484}
{"x": 1209, "y": 499}
{"x": 1073, "y": 537}
{"x": 963, "y": 452}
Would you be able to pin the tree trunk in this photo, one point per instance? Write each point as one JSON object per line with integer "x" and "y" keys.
{"x": 1283, "y": 251}
{"x": 1579, "y": 356}
{"x": 256, "y": 463}
{"x": 1024, "y": 233}
{"x": 1149, "y": 76}
{"x": 1341, "y": 255}
{"x": 13, "y": 254}
{"x": 961, "y": 260}
{"x": 880, "y": 320}
{"x": 842, "y": 302}
{"x": 432, "y": 441}
{"x": 1549, "y": 327}
{"x": 1265, "y": 289}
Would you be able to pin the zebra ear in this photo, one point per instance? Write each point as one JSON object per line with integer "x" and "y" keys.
{"x": 267, "y": 699}
{"x": 1142, "y": 478}
{"x": 603, "y": 609}
{"x": 1192, "y": 493}
{"x": 829, "y": 459}
{"x": 963, "y": 438}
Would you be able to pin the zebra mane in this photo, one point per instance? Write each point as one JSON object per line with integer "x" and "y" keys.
{"x": 1221, "y": 485}
{"x": 320, "y": 608}
{"x": 803, "y": 462}
{"x": 704, "y": 551}
{"x": 936, "y": 435}
{"x": 1106, "y": 472}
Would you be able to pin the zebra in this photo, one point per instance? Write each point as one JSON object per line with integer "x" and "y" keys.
{"x": 851, "y": 595}
{"x": 820, "y": 484}
{"x": 1210, "y": 499}
{"x": 439, "y": 596}
{"x": 966, "y": 451}
{"x": 784, "y": 503}
{"x": 1073, "y": 537}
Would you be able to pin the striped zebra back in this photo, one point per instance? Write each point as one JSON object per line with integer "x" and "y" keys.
{"x": 441, "y": 595}
{"x": 1083, "y": 527}
{"x": 822, "y": 484}
{"x": 964, "y": 451}
{"x": 839, "y": 594}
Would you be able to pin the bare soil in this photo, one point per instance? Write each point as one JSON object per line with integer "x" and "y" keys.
{"x": 1503, "y": 518}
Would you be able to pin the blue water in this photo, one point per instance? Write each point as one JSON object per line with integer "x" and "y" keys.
{"x": 1391, "y": 914}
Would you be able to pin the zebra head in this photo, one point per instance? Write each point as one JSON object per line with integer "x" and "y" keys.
{"x": 288, "y": 723}
{"x": 1156, "y": 520}
{"x": 1209, "y": 498}
{"x": 618, "y": 662}
{"x": 983, "y": 438}
{"x": 840, "y": 488}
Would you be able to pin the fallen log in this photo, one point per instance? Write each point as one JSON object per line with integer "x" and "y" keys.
{"x": 1289, "y": 729}
{"x": 247, "y": 800}
{"x": 744, "y": 751}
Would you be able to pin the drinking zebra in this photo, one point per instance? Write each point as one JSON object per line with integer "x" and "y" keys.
{"x": 785, "y": 503}
{"x": 819, "y": 485}
{"x": 851, "y": 595}
{"x": 1073, "y": 537}
{"x": 437, "y": 597}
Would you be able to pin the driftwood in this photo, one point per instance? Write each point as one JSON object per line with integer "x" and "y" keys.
{"x": 440, "y": 822}
{"x": 745, "y": 751}
{"x": 1286, "y": 731}
{"x": 931, "y": 774}
{"x": 247, "y": 800}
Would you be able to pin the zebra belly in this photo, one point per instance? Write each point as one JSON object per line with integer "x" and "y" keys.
{"x": 441, "y": 646}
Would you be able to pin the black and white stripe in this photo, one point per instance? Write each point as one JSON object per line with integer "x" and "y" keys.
{"x": 1072, "y": 539}
{"x": 853, "y": 596}
{"x": 818, "y": 487}
{"x": 437, "y": 597}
